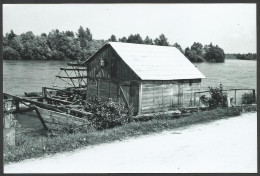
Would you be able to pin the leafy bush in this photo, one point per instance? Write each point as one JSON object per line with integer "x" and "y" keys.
{"x": 107, "y": 114}
{"x": 10, "y": 54}
{"x": 218, "y": 98}
{"x": 248, "y": 98}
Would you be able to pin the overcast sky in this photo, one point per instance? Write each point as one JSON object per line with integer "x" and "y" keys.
{"x": 231, "y": 26}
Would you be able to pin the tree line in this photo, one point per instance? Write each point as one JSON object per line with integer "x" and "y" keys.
{"x": 196, "y": 53}
{"x": 57, "y": 45}
{"x": 248, "y": 56}
{"x": 67, "y": 45}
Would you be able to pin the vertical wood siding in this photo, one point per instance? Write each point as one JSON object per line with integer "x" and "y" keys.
{"x": 114, "y": 67}
{"x": 104, "y": 81}
{"x": 167, "y": 95}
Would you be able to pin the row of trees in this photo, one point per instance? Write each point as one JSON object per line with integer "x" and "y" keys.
{"x": 196, "y": 53}
{"x": 56, "y": 45}
{"x": 210, "y": 53}
{"x": 65, "y": 45}
{"x": 136, "y": 38}
{"x": 248, "y": 56}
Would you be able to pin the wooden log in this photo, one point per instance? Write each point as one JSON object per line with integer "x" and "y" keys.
{"x": 33, "y": 94}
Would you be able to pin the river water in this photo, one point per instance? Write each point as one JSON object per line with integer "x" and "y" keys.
{"x": 21, "y": 76}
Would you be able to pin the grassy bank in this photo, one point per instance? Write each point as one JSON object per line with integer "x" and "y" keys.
{"x": 32, "y": 147}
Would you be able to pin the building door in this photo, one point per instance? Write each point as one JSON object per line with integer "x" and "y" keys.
{"x": 134, "y": 96}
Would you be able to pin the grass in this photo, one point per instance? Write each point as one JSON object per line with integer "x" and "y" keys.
{"x": 33, "y": 147}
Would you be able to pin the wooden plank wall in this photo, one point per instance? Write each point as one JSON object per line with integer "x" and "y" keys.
{"x": 103, "y": 90}
{"x": 114, "y": 67}
{"x": 114, "y": 90}
{"x": 134, "y": 96}
{"x": 104, "y": 81}
{"x": 167, "y": 95}
{"x": 106, "y": 89}
{"x": 91, "y": 88}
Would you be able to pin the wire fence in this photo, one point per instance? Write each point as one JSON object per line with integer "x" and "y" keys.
{"x": 234, "y": 95}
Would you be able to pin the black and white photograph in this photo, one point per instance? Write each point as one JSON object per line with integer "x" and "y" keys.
{"x": 129, "y": 88}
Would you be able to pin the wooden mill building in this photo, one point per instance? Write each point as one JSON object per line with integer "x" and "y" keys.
{"x": 147, "y": 77}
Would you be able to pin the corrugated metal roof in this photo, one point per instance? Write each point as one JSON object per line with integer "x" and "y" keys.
{"x": 151, "y": 62}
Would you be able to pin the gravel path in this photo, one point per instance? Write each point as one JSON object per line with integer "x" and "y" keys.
{"x": 227, "y": 145}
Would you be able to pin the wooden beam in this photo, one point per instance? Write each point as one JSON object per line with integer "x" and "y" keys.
{"x": 40, "y": 117}
{"x": 75, "y": 64}
{"x": 32, "y": 102}
{"x": 140, "y": 98}
{"x": 235, "y": 97}
{"x": 78, "y": 69}
{"x": 17, "y": 106}
{"x": 72, "y": 77}
{"x": 59, "y": 100}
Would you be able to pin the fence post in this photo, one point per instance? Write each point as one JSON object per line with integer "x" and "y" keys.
{"x": 254, "y": 95}
{"x": 199, "y": 99}
{"x": 194, "y": 98}
{"x": 17, "y": 105}
{"x": 8, "y": 130}
{"x": 235, "y": 97}
{"x": 44, "y": 92}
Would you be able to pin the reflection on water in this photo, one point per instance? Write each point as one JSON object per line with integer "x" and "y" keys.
{"x": 25, "y": 76}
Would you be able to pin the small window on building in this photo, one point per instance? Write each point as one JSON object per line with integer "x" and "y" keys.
{"x": 102, "y": 62}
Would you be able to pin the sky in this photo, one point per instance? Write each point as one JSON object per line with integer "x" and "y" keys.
{"x": 230, "y": 26}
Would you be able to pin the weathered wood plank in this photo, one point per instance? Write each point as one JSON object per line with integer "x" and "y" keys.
{"x": 140, "y": 98}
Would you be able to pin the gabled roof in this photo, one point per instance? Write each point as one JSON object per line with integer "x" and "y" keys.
{"x": 152, "y": 62}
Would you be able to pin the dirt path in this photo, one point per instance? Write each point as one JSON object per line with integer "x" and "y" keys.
{"x": 228, "y": 145}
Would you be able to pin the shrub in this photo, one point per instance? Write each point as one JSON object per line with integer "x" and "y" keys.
{"x": 248, "y": 98}
{"x": 10, "y": 54}
{"x": 218, "y": 98}
{"x": 107, "y": 114}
